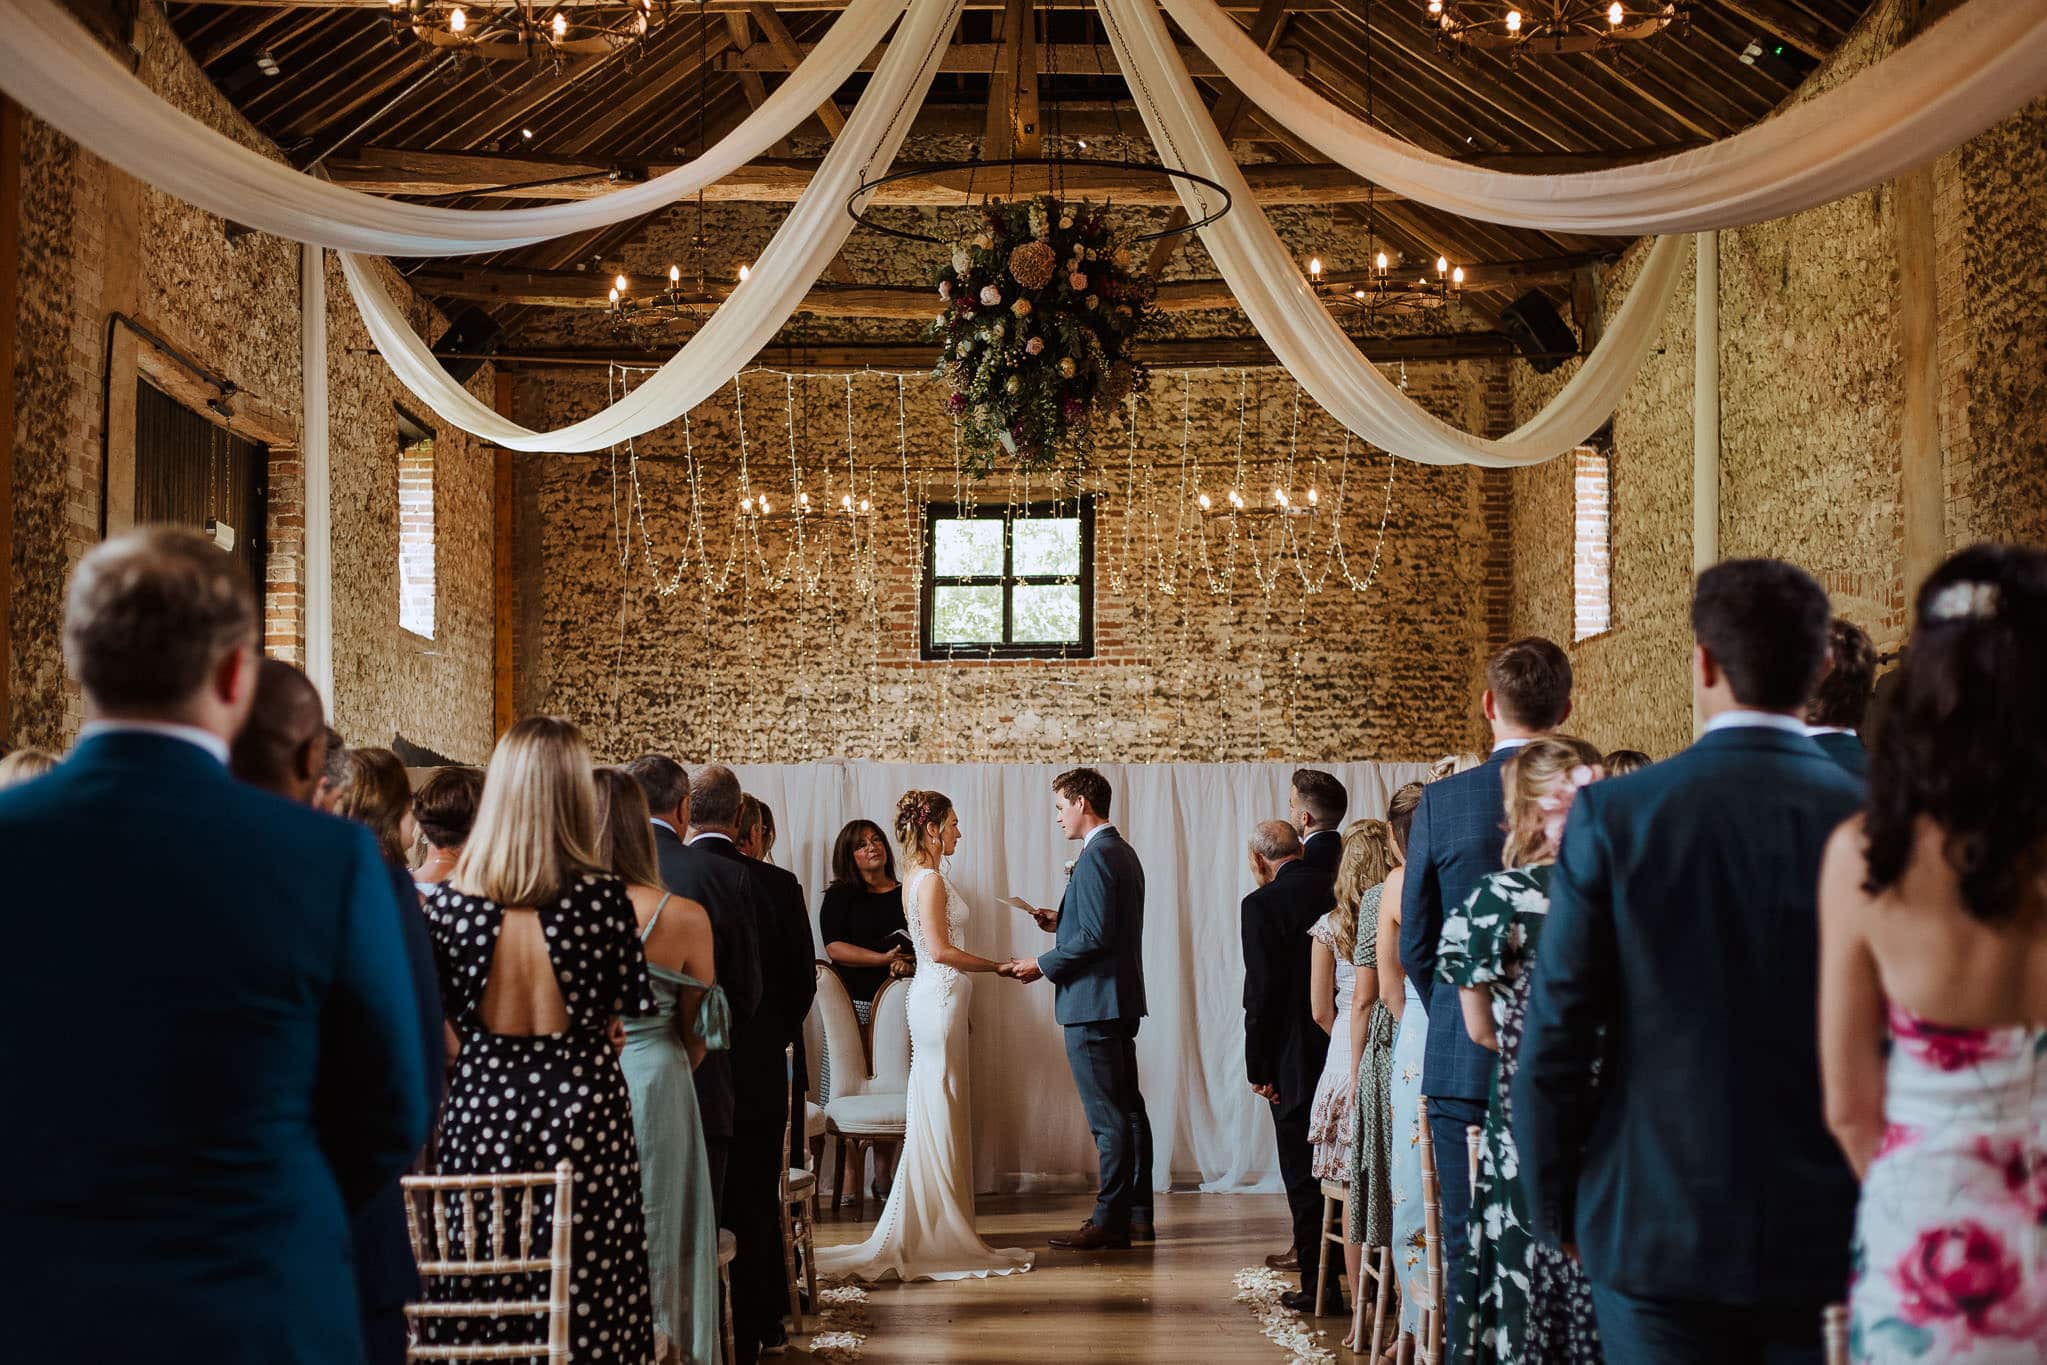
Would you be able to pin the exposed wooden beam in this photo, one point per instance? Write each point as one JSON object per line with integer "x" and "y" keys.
{"x": 1784, "y": 24}
{"x": 979, "y": 59}
{"x": 591, "y": 290}
{"x": 1160, "y": 355}
{"x": 777, "y": 34}
{"x": 398, "y": 171}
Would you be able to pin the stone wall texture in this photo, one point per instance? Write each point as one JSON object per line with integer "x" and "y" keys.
{"x": 1810, "y": 415}
{"x": 232, "y": 302}
{"x": 753, "y": 649}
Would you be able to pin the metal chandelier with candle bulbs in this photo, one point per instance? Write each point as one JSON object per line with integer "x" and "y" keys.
{"x": 1548, "y": 26}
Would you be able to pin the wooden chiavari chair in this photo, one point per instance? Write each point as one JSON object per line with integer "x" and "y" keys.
{"x": 452, "y": 1207}
{"x": 1428, "y": 1349}
{"x": 1834, "y": 1329}
{"x": 799, "y": 1213}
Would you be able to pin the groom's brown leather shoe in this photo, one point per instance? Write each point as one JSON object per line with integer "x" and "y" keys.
{"x": 1283, "y": 1260}
{"x": 1092, "y": 1238}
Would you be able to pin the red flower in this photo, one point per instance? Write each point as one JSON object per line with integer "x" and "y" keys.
{"x": 1896, "y": 1135}
{"x": 1948, "y": 1049}
{"x": 1960, "y": 1271}
{"x": 2025, "y": 1178}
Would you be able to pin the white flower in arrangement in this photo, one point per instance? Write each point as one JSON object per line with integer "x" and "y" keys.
{"x": 966, "y": 348}
{"x": 1037, "y": 217}
{"x": 941, "y": 318}
{"x": 1066, "y": 366}
{"x": 1034, "y": 345}
{"x": 990, "y": 295}
{"x": 1076, "y": 282}
{"x": 997, "y": 329}
{"x": 945, "y": 289}
{"x": 1022, "y": 308}
{"x": 960, "y": 260}
{"x": 1013, "y": 385}
{"x": 1066, "y": 222}
{"x": 1093, "y": 302}
{"x": 1089, "y": 253}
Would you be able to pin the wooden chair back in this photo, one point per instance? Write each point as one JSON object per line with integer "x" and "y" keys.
{"x": 465, "y": 1226}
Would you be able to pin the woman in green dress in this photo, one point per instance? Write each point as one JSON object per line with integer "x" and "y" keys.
{"x": 1521, "y": 1302}
{"x": 661, "y": 1052}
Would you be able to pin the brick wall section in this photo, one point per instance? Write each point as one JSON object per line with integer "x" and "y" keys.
{"x": 1591, "y": 565}
{"x": 1810, "y": 416}
{"x": 235, "y": 305}
{"x": 766, "y": 656}
{"x": 416, "y": 538}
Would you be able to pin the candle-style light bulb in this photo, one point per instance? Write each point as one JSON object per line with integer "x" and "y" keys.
{"x": 846, "y": 501}
{"x": 1358, "y": 294}
{"x": 619, "y": 284}
{"x": 674, "y": 276}
{"x": 745, "y": 505}
{"x": 1203, "y": 502}
{"x": 614, "y": 298}
{"x": 1279, "y": 496}
{"x": 765, "y": 509}
{"x": 1513, "y": 21}
{"x": 1614, "y": 14}
{"x": 1314, "y": 498}
{"x": 1457, "y": 276}
{"x": 803, "y": 501}
{"x": 744, "y": 271}
{"x": 1442, "y": 265}
{"x": 1380, "y": 262}
{"x": 561, "y": 25}
{"x": 866, "y": 506}
{"x": 1315, "y": 268}
{"x": 457, "y": 20}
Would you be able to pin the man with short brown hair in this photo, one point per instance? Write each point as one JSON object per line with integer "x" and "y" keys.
{"x": 237, "y": 984}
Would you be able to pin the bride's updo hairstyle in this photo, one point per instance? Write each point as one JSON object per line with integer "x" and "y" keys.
{"x": 918, "y": 813}
{"x": 1962, "y": 744}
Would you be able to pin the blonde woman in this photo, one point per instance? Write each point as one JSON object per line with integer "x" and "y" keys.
{"x": 1520, "y": 1301}
{"x": 539, "y": 953}
{"x": 25, "y": 765}
{"x": 926, "y": 1230}
{"x": 1364, "y": 1037}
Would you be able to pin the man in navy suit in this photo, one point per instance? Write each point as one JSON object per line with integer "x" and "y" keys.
{"x": 1097, "y": 970}
{"x": 1284, "y": 1048}
{"x": 1695, "y": 1176}
{"x": 1839, "y": 705}
{"x": 1456, "y": 840}
{"x": 214, "y": 1053}
{"x": 283, "y": 749}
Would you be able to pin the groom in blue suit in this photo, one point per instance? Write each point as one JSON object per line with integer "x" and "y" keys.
{"x": 1097, "y": 966}
{"x": 214, "y": 1054}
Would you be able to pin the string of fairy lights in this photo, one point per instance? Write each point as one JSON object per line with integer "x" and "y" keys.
{"x": 814, "y": 574}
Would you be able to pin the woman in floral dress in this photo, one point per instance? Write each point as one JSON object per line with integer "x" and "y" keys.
{"x": 1933, "y": 907}
{"x": 1520, "y": 1301}
{"x": 1404, "y": 1086}
{"x": 1368, "y": 858}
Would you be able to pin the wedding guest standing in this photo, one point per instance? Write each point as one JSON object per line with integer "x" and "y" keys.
{"x": 1316, "y": 802}
{"x": 1840, "y": 703}
{"x": 661, "y": 1051}
{"x": 209, "y": 1075}
{"x": 1682, "y": 954}
{"x": 377, "y": 793}
{"x": 1933, "y": 948}
{"x": 444, "y": 810}
{"x": 1621, "y": 762}
{"x": 1404, "y": 1084}
{"x": 1456, "y": 839}
{"x": 1333, "y": 993}
{"x": 1521, "y": 1302}
{"x": 1364, "y": 1162}
{"x": 539, "y": 953}
{"x": 861, "y": 921}
{"x": 1283, "y": 1045}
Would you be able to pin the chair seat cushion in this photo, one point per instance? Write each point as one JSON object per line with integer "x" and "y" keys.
{"x": 813, "y": 1120}
{"x": 868, "y": 1115}
{"x": 799, "y": 1185}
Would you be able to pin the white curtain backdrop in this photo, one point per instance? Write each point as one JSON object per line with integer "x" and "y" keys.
{"x": 1268, "y": 282}
{"x": 61, "y": 74}
{"x": 756, "y": 309}
{"x": 1189, "y": 823}
{"x": 1977, "y": 65}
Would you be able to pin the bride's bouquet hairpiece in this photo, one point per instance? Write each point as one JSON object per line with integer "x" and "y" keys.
{"x": 1556, "y": 807}
{"x": 1964, "y": 602}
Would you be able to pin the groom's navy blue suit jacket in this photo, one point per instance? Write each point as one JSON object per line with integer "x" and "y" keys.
{"x": 1097, "y": 962}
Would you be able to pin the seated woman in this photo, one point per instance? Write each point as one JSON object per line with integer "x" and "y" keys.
{"x": 865, "y": 934}
{"x": 661, "y": 1054}
{"x": 538, "y": 953}
{"x": 1521, "y": 1301}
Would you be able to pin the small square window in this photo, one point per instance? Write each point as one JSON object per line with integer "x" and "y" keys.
{"x": 1009, "y": 582}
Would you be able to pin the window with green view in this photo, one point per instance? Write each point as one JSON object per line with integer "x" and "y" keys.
{"x": 1008, "y": 582}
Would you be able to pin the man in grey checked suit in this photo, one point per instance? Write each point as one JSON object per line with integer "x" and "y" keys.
{"x": 1458, "y": 833}
{"x": 1098, "y": 968}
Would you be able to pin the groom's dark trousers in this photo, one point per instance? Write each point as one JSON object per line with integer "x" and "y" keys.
{"x": 1097, "y": 965}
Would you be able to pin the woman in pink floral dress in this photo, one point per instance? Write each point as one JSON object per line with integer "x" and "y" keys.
{"x": 1933, "y": 928}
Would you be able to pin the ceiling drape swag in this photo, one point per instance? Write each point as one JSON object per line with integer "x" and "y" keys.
{"x": 1292, "y": 319}
{"x": 749, "y": 317}
{"x": 1971, "y": 69}
{"x": 59, "y": 72}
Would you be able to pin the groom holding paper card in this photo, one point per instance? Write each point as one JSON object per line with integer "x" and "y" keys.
{"x": 1097, "y": 966}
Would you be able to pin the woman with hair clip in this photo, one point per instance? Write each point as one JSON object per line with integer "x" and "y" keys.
{"x": 1933, "y": 981}
{"x": 661, "y": 1054}
{"x": 538, "y": 952}
{"x": 926, "y": 1230}
{"x": 1520, "y": 1302}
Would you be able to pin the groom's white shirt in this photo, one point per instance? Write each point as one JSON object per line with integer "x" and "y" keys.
{"x": 1089, "y": 837}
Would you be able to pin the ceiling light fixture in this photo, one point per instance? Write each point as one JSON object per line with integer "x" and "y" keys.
{"x": 1550, "y": 26}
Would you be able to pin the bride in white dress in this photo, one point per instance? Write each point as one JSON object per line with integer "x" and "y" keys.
{"x": 926, "y": 1230}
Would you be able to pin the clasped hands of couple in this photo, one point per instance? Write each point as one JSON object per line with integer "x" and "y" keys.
{"x": 1025, "y": 969}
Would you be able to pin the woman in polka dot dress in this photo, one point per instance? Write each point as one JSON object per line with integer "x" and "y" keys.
{"x": 538, "y": 955}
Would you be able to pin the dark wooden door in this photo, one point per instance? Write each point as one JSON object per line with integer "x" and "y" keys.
{"x": 189, "y": 470}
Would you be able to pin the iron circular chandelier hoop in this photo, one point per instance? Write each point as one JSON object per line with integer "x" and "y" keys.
{"x": 1550, "y": 27}
{"x": 997, "y": 190}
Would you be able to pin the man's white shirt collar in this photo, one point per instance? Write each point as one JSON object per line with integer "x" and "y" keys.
{"x": 712, "y": 834}
{"x": 657, "y": 820}
{"x": 190, "y": 734}
{"x": 1816, "y": 730}
{"x": 1742, "y": 719}
{"x": 1089, "y": 837}
{"x": 1503, "y": 745}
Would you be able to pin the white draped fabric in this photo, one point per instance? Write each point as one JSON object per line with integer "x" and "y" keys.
{"x": 1292, "y": 320}
{"x": 60, "y": 73}
{"x": 1977, "y": 65}
{"x": 805, "y": 243}
{"x": 1189, "y": 823}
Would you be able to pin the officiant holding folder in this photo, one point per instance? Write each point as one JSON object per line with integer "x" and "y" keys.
{"x": 861, "y": 921}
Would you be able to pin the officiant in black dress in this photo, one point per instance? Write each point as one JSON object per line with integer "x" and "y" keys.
{"x": 861, "y": 921}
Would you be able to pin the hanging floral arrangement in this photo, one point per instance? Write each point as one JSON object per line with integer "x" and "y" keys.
{"x": 1041, "y": 312}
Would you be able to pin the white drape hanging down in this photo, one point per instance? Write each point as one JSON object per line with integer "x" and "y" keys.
{"x": 1267, "y": 281}
{"x": 59, "y": 73}
{"x": 750, "y": 316}
{"x": 1189, "y": 823}
{"x": 1971, "y": 69}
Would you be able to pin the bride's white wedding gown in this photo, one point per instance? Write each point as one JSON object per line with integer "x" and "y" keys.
{"x": 926, "y": 1230}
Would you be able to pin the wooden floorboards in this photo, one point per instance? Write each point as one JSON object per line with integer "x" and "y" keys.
{"x": 1172, "y": 1301}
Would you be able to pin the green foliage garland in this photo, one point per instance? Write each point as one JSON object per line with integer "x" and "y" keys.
{"x": 1038, "y": 341}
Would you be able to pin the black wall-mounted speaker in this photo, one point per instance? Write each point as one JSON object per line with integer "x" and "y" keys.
{"x": 473, "y": 335}
{"x": 1538, "y": 331}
